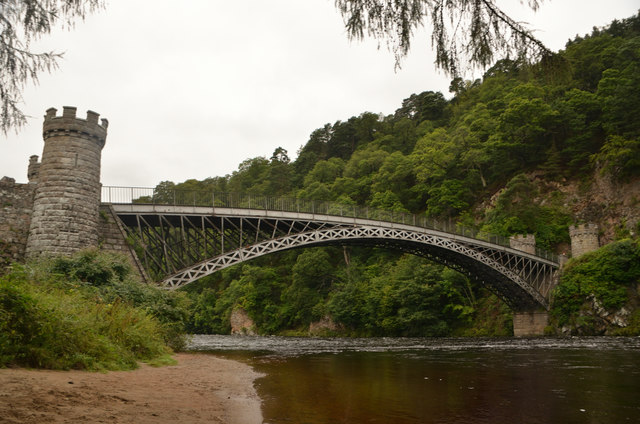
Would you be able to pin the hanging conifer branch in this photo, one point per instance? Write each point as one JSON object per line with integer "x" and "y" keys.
{"x": 465, "y": 33}
{"x": 21, "y": 22}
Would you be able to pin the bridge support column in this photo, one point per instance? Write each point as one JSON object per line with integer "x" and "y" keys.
{"x": 530, "y": 323}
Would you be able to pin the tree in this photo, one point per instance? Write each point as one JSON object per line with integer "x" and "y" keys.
{"x": 465, "y": 33}
{"x": 21, "y": 22}
{"x": 426, "y": 105}
{"x": 619, "y": 157}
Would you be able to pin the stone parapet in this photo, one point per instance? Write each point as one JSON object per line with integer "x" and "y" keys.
{"x": 69, "y": 125}
{"x": 112, "y": 237}
{"x": 524, "y": 243}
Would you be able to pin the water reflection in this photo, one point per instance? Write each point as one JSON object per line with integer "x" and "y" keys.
{"x": 444, "y": 381}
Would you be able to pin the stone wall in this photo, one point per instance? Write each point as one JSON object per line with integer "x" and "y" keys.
{"x": 112, "y": 237}
{"x": 523, "y": 243}
{"x": 527, "y": 324}
{"x": 16, "y": 203}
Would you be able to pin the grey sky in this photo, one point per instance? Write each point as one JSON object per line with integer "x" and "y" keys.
{"x": 192, "y": 88}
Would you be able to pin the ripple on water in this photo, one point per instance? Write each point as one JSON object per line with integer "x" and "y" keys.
{"x": 289, "y": 346}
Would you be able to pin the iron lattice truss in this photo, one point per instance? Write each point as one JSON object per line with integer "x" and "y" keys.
{"x": 179, "y": 245}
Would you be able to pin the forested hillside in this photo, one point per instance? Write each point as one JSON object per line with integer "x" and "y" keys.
{"x": 519, "y": 151}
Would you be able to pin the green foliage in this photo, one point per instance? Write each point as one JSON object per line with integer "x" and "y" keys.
{"x": 92, "y": 267}
{"x": 109, "y": 277}
{"x": 47, "y": 322}
{"x": 410, "y": 297}
{"x": 490, "y": 158}
{"x": 619, "y": 157}
{"x": 633, "y": 327}
{"x": 605, "y": 275}
{"x": 518, "y": 211}
{"x": 491, "y": 318}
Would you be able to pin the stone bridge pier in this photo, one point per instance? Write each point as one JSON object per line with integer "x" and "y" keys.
{"x": 528, "y": 323}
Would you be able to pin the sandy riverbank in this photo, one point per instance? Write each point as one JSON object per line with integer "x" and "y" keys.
{"x": 199, "y": 389}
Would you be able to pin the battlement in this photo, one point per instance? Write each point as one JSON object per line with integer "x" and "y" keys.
{"x": 583, "y": 229}
{"x": 584, "y": 238}
{"x": 525, "y": 243}
{"x": 68, "y": 123}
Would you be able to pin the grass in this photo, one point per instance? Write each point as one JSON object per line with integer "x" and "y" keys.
{"x": 53, "y": 320}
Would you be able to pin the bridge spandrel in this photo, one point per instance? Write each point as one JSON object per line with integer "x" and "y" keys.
{"x": 183, "y": 243}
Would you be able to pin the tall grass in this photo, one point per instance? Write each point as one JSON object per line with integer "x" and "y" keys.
{"x": 59, "y": 320}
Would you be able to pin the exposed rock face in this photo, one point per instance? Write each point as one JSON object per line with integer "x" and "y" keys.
{"x": 241, "y": 323}
{"x": 597, "y": 320}
{"x": 325, "y": 326}
{"x": 612, "y": 205}
{"x": 608, "y": 203}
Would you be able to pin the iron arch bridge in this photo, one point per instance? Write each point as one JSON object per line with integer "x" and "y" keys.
{"x": 179, "y": 243}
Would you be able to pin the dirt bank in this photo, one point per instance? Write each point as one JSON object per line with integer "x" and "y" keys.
{"x": 199, "y": 389}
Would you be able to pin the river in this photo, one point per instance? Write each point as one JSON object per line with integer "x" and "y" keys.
{"x": 444, "y": 381}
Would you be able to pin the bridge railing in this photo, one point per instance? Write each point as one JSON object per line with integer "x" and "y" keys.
{"x": 173, "y": 197}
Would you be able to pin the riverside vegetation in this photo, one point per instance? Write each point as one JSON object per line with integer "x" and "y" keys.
{"x": 498, "y": 156}
{"x": 492, "y": 157}
{"x": 86, "y": 312}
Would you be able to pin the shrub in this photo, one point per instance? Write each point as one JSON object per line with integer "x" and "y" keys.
{"x": 47, "y": 327}
{"x": 605, "y": 275}
{"x": 87, "y": 312}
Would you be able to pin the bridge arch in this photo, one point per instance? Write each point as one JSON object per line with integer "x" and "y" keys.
{"x": 182, "y": 244}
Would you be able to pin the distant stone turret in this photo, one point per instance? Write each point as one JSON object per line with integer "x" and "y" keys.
{"x": 34, "y": 169}
{"x": 523, "y": 243}
{"x": 584, "y": 238}
{"x": 67, "y": 197}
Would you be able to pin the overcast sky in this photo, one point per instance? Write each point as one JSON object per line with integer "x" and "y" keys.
{"x": 191, "y": 88}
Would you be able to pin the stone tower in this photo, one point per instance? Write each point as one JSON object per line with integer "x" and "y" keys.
{"x": 67, "y": 196}
{"x": 584, "y": 238}
{"x": 523, "y": 243}
{"x": 34, "y": 169}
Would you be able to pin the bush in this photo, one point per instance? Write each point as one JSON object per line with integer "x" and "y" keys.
{"x": 47, "y": 327}
{"x": 109, "y": 278}
{"x": 85, "y": 312}
{"x": 605, "y": 275}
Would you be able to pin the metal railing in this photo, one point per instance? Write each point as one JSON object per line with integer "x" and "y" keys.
{"x": 174, "y": 197}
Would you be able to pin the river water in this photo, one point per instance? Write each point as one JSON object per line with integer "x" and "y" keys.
{"x": 445, "y": 381}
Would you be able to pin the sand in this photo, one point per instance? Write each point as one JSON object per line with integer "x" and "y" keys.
{"x": 199, "y": 389}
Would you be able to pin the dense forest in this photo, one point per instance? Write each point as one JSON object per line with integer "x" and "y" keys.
{"x": 490, "y": 157}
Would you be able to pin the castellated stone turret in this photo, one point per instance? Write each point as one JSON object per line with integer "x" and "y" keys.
{"x": 67, "y": 196}
{"x": 34, "y": 169}
{"x": 523, "y": 243}
{"x": 584, "y": 238}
